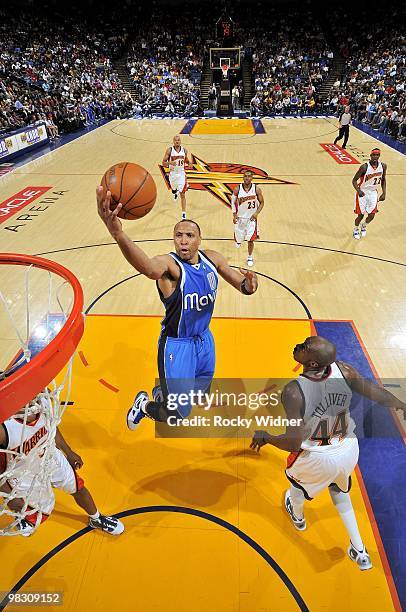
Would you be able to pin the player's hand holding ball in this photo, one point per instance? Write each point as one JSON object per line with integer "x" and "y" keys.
{"x": 131, "y": 186}
{"x": 108, "y": 216}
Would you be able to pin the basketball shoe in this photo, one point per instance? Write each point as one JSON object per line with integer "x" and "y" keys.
{"x": 183, "y": 216}
{"x": 363, "y": 229}
{"x": 356, "y": 233}
{"x": 109, "y": 524}
{"x": 250, "y": 261}
{"x": 24, "y": 528}
{"x": 300, "y": 524}
{"x": 360, "y": 557}
{"x": 136, "y": 414}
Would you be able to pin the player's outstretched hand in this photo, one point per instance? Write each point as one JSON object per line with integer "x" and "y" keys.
{"x": 259, "y": 440}
{"x": 381, "y": 198}
{"x": 108, "y": 216}
{"x": 251, "y": 280}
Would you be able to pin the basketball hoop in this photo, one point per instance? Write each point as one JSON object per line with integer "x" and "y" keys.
{"x": 45, "y": 316}
{"x": 224, "y": 70}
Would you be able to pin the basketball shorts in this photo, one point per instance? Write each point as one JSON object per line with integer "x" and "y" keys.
{"x": 367, "y": 204}
{"x": 245, "y": 229}
{"x": 315, "y": 470}
{"x": 178, "y": 182}
{"x": 185, "y": 365}
{"x": 63, "y": 477}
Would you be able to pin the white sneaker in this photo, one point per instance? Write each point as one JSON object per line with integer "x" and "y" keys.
{"x": 300, "y": 524}
{"x": 356, "y": 234}
{"x": 136, "y": 414}
{"x": 250, "y": 261}
{"x": 360, "y": 557}
{"x": 363, "y": 229}
{"x": 109, "y": 524}
{"x": 183, "y": 216}
{"x": 237, "y": 245}
{"x": 25, "y": 528}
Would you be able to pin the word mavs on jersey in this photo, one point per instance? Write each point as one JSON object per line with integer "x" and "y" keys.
{"x": 193, "y": 300}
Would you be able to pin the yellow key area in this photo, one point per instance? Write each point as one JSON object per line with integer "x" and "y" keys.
{"x": 223, "y": 126}
{"x": 205, "y": 529}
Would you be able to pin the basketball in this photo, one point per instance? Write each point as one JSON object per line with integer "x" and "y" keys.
{"x": 133, "y": 187}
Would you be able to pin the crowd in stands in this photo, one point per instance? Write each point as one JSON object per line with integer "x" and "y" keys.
{"x": 165, "y": 66}
{"x": 374, "y": 80}
{"x": 59, "y": 72}
{"x": 290, "y": 61}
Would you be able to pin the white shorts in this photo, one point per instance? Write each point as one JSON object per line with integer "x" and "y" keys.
{"x": 245, "y": 229}
{"x": 178, "y": 182}
{"x": 367, "y": 204}
{"x": 315, "y": 470}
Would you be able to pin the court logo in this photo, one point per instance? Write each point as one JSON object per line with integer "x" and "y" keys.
{"x": 20, "y": 200}
{"x": 340, "y": 155}
{"x": 220, "y": 179}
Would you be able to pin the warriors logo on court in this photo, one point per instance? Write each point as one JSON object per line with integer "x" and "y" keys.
{"x": 221, "y": 178}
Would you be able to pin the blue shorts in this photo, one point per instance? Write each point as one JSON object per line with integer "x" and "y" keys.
{"x": 185, "y": 365}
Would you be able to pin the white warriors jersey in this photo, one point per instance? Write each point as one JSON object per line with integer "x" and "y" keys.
{"x": 372, "y": 178}
{"x": 247, "y": 202}
{"x": 178, "y": 159}
{"x": 327, "y": 419}
{"x": 23, "y": 437}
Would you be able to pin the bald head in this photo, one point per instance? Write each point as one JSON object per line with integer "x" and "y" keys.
{"x": 315, "y": 352}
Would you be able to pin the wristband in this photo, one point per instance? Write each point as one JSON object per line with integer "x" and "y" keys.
{"x": 244, "y": 289}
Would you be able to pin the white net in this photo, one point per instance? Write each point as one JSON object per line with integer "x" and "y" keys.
{"x": 35, "y": 308}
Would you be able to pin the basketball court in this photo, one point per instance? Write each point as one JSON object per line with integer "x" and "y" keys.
{"x": 205, "y": 528}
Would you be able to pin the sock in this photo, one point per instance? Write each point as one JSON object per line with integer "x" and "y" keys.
{"x": 297, "y": 498}
{"x": 342, "y": 502}
{"x": 95, "y": 516}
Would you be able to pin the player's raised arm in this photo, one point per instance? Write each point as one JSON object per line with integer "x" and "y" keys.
{"x": 369, "y": 389}
{"x": 154, "y": 267}
{"x": 244, "y": 281}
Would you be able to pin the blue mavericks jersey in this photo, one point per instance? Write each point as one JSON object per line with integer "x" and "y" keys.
{"x": 190, "y": 307}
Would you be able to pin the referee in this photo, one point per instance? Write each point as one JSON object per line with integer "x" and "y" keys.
{"x": 345, "y": 120}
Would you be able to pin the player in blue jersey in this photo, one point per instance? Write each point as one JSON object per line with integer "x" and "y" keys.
{"x": 187, "y": 281}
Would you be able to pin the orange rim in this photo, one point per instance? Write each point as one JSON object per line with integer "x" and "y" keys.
{"x": 24, "y": 384}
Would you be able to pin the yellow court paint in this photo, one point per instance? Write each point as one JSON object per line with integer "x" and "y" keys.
{"x": 176, "y": 561}
{"x": 223, "y": 126}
